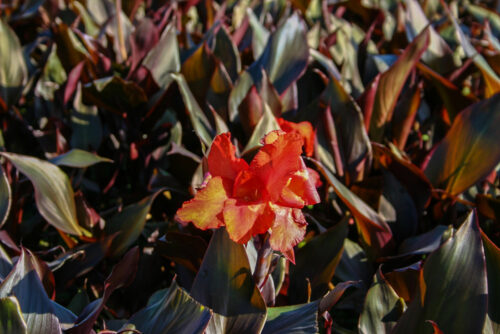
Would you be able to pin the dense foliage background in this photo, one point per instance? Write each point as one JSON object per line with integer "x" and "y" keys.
{"x": 107, "y": 109}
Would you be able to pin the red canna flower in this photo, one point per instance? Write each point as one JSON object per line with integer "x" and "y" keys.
{"x": 305, "y": 129}
{"x": 266, "y": 195}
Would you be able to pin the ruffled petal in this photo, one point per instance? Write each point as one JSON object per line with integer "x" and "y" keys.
{"x": 244, "y": 220}
{"x": 301, "y": 188}
{"x": 205, "y": 209}
{"x": 272, "y": 167}
{"x": 288, "y": 230}
{"x": 222, "y": 160}
{"x": 305, "y": 129}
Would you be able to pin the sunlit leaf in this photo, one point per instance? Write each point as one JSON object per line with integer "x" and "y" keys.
{"x": 53, "y": 191}
{"x": 171, "y": 311}
{"x": 293, "y": 319}
{"x": 492, "y": 253}
{"x": 11, "y": 317}
{"x": 447, "y": 294}
{"x": 391, "y": 83}
{"x": 13, "y": 71}
{"x": 78, "y": 159}
{"x": 468, "y": 152}
{"x": 5, "y": 197}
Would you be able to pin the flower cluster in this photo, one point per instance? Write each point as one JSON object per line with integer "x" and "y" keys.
{"x": 266, "y": 195}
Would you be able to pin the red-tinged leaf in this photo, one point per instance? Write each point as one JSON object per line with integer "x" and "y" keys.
{"x": 405, "y": 281}
{"x": 373, "y": 228}
{"x": 453, "y": 292}
{"x": 143, "y": 39}
{"x": 488, "y": 206}
{"x": 305, "y": 129}
{"x": 53, "y": 192}
{"x": 73, "y": 80}
{"x": 412, "y": 177}
{"x": 404, "y": 116}
{"x": 250, "y": 110}
{"x": 344, "y": 124}
{"x": 205, "y": 208}
{"x": 453, "y": 99}
{"x": 282, "y": 66}
{"x": 222, "y": 160}
{"x": 326, "y": 249}
{"x": 265, "y": 125}
{"x": 164, "y": 58}
{"x": 123, "y": 274}
{"x": 435, "y": 327}
{"x": 469, "y": 151}
{"x": 226, "y": 51}
{"x": 289, "y": 228}
{"x": 492, "y": 253}
{"x": 382, "y": 307}
{"x": 491, "y": 79}
{"x": 198, "y": 70}
{"x": 219, "y": 90}
{"x": 391, "y": 83}
{"x": 439, "y": 55}
{"x": 243, "y": 220}
{"x": 171, "y": 310}
{"x": 225, "y": 284}
{"x": 129, "y": 223}
{"x": 38, "y": 310}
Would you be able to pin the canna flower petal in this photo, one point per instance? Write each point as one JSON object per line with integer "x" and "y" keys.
{"x": 244, "y": 220}
{"x": 301, "y": 188}
{"x": 305, "y": 129}
{"x": 222, "y": 160}
{"x": 288, "y": 230}
{"x": 205, "y": 209}
{"x": 271, "y": 168}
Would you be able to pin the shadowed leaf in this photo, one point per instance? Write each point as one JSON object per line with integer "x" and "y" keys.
{"x": 78, "y": 159}
{"x": 11, "y": 318}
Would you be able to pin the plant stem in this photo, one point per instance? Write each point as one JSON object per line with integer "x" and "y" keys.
{"x": 264, "y": 257}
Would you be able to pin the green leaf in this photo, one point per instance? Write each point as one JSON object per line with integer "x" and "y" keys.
{"x": 225, "y": 284}
{"x": 260, "y": 34}
{"x": 391, "y": 83}
{"x": 282, "y": 66}
{"x": 11, "y": 318}
{"x": 164, "y": 58}
{"x": 469, "y": 150}
{"x": 294, "y": 319}
{"x": 130, "y": 223}
{"x": 13, "y": 71}
{"x": 491, "y": 79}
{"x": 453, "y": 292}
{"x": 5, "y": 197}
{"x": 53, "y": 192}
{"x": 326, "y": 250}
{"x": 438, "y": 55}
{"x": 24, "y": 283}
{"x": 382, "y": 308}
{"x": 171, "y": 311}
{"x": 78, "y": 159}
{"x": 492, "y": 253}
{"x": 266, "y": 124}
{"x": 372, "y": 227}
{"x": 227, "y": 52}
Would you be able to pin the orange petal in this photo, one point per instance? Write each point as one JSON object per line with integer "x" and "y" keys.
{"x": 222, "y": 160}
{"x": 305, "y": 129}
{"x": 301, "y": 189}
{"x": 205, "y": 208}
{"x": 288, "y": 229}
{"x": 243, "y": 220}
{"x": 272, "y": 166}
